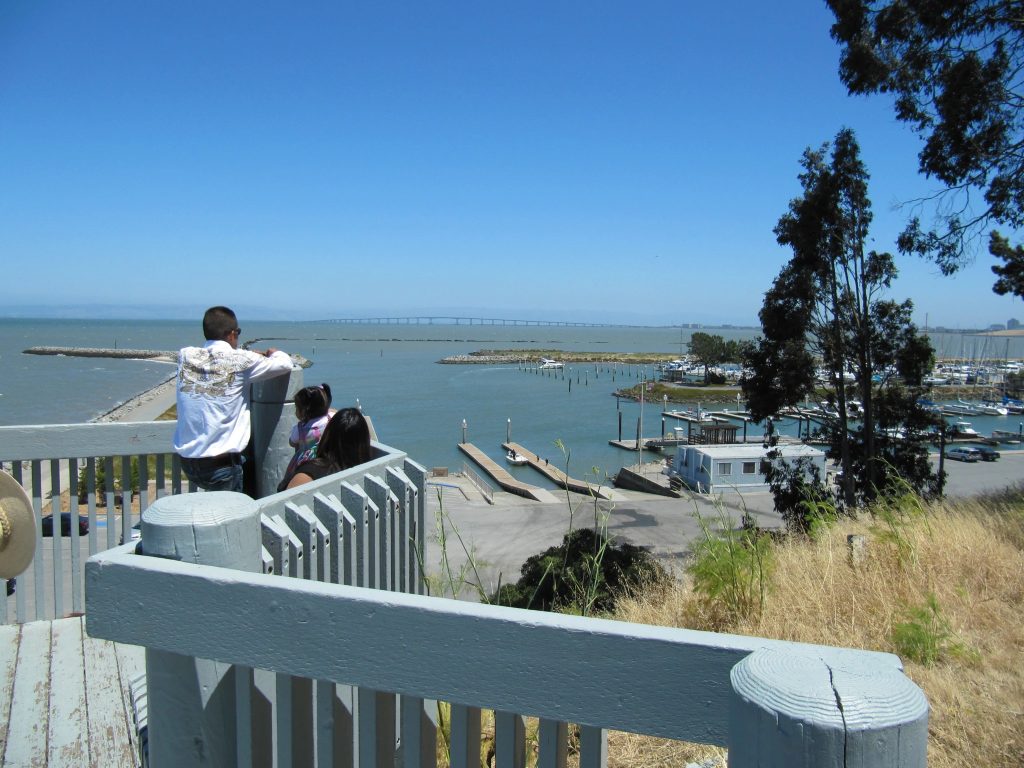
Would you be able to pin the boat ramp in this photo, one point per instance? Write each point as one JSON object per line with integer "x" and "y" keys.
{"x": 507, "y": 482}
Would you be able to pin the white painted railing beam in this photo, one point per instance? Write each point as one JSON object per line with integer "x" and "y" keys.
{"x": 485, "y": 656}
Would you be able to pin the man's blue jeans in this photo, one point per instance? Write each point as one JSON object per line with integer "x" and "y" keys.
{"x": 202, "y": 472}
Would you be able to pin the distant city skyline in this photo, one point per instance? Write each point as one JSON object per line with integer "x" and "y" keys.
{"x": 621, "y": 163}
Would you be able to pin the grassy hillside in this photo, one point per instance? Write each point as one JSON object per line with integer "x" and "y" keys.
{"x": 942, "y": 586}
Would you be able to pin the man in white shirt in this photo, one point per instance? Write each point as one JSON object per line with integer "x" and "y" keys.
{"x": 213, "y": 401}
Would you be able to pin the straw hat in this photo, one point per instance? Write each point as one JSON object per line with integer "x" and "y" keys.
{"x": 17, "y": 528}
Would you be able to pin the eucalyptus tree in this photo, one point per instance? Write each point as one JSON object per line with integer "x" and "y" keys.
{"x": 710, "y": 350}
{"x": 954, "y": 68}
{"x": 828, "y": 309}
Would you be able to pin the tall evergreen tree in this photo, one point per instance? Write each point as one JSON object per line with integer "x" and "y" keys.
{"x": 954, "y": 68}
{"x": 828, "y": 305}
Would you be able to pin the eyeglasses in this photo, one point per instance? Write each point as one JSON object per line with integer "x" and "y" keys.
{"x": 237, "y": 331}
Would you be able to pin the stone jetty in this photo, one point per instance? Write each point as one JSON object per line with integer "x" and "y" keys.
{"x": 126, "y": 354}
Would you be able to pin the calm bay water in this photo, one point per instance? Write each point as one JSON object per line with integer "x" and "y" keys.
{"x": 416, "y": 404}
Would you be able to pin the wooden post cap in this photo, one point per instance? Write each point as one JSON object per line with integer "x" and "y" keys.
{"x": 214, "y": 528}
{"x": 798, "y": 708}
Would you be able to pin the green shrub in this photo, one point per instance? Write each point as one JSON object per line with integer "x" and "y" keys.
{"x": 730, "y": 568}
{"x": 925, "y": 636}
{"x": 583, "y": 575}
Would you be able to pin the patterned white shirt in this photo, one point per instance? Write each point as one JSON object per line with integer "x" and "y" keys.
{"x": 213, "y": 396}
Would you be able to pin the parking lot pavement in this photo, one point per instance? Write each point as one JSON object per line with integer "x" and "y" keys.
{"x": 503, "y": 535}
{"x": 972, "y": 479}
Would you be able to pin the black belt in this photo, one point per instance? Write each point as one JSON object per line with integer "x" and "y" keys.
{"x": 215, "y": 462}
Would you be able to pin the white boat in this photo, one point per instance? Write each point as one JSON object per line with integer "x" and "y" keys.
{"x": 549, "y": 363}
{"x": 964, "y": 429}
{"x": 516, "y": 459}
{"x": 989, "y": 408}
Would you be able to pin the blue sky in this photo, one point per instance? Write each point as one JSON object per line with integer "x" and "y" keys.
{"x": 598, "y": 161}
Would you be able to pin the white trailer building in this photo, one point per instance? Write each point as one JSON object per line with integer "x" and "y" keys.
{"x": 734, "y": 466}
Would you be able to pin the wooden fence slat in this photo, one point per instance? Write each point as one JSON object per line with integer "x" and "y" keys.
{"x": 243, "y": 716}
{"x": 109, "y": 498}
{"x": 387, "y": 729}
{"x": 328, "y": 510}
{"x": 344, "y": 726}
{"x": 383, "y": 501}
{"x": 593, "y": 747}
{"x": 126, "y": 498}
{"x": 366, "y": 728}
{"x": 418, "y": 475}
{"x": 283, "y": 721}
{"x": 418, "y": 735}
{"x": 509, "y": 740}
{"x": 37, "y": 561}
{"x": 142, "y": 461}
{"x": 56, "y": 539}
{"x": 553, "y": 740}
{"x": 90, "y": 500}
{"x": 77, "y": 584}
{"x": 464, "y": 743}
{"x": 357, "y": 504}
{"x": 68, "y": 742}
{"x": 302, "y": 524}
{"x": 275, "y": 541}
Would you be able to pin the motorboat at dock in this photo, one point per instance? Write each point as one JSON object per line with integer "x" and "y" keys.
{"x": 516, "y": 459}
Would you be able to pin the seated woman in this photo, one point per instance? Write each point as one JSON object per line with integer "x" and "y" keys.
{"x": 345, "y": 442}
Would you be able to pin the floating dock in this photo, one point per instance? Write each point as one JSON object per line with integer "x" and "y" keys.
{"x": 503, "y": 478}
{"x": 557, "y": 476}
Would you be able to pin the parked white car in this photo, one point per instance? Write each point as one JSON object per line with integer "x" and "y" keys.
{"x": 963, "y": 453}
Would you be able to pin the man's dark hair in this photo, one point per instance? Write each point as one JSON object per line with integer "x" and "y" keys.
{"x": 218, "y": 322}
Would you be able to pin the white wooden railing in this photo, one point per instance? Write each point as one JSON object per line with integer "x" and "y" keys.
{"x": 53, "y": 461}
{"x": 326, "y": 672}
{"x": 50, "y": 461}
{"x": 318, "y": 647}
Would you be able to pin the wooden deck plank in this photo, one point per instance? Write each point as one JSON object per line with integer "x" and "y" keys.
{"x": 111, "y": 732}
{"x": 8, "y": 660}
{"x": 30, "y": 714}
{"x": 68, "y": 743}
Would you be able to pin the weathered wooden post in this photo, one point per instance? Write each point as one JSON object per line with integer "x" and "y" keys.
{"x": 192, "y": 705}
{"x": 794, "y": 710}
{"x": 272, "y": 418}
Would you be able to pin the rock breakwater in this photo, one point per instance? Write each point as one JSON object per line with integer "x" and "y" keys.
{"x": 124, "y": 354}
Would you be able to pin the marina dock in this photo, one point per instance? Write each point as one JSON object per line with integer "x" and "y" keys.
{"x": 503, "y": 478}
{"x": 557, "y": 476}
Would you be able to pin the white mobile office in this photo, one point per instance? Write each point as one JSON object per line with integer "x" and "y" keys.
{"x": 708, "y": 468}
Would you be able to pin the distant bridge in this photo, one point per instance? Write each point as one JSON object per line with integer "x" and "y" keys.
{"x": 446, "y": 320}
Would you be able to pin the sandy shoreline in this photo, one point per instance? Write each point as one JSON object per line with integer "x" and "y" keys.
{"x": 145, "y": 406}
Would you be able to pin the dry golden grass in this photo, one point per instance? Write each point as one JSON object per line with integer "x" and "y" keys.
{"x": 969, "y": 556}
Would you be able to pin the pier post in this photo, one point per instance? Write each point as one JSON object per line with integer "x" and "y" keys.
{"x": 797, "y": 710}
{"x": 508, "y": 431}
{"x": 191, "y": 702}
